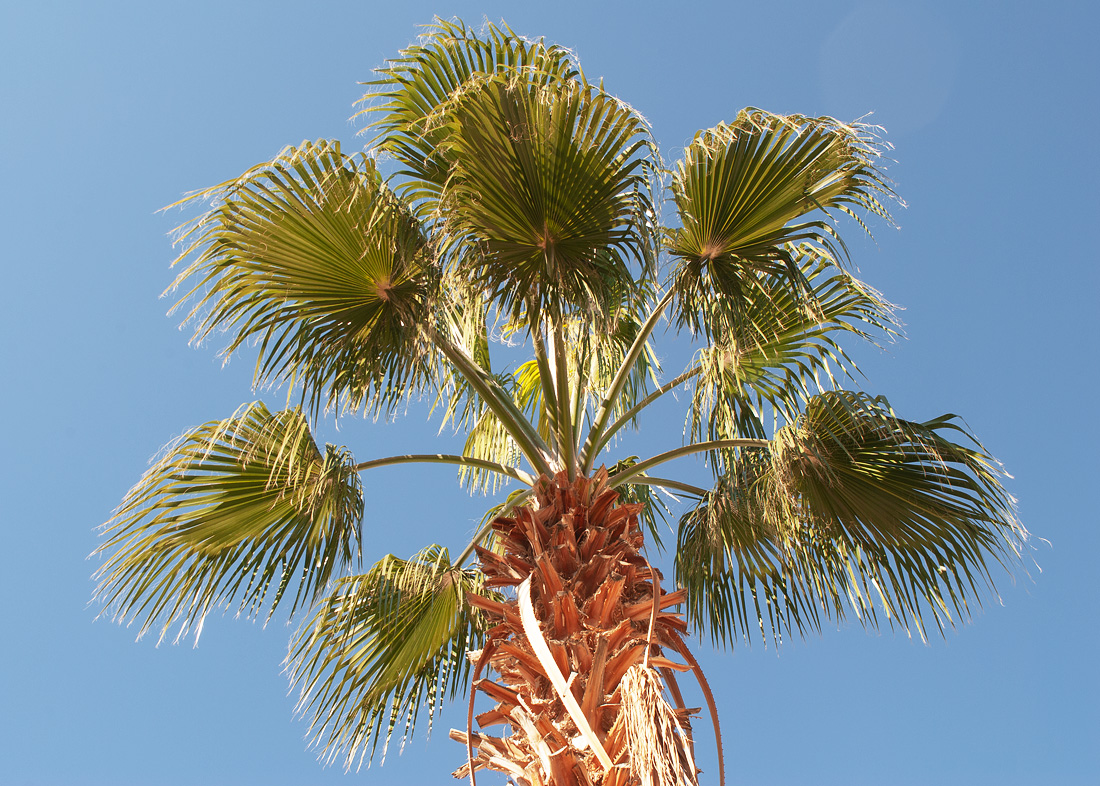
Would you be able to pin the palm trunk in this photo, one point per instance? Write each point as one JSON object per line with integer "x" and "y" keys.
{"x": 576, "y": 648}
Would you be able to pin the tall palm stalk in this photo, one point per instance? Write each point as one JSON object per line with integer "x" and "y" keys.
{"x": 521, "y": 205}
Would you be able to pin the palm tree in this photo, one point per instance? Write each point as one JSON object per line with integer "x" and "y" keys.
{"x": 522, "y": 208}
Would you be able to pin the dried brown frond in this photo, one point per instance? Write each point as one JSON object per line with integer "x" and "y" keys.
{"x": 660, "y": 746}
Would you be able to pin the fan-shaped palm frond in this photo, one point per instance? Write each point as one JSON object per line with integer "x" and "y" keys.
{"x": 241, "y": 510}
{"x": 850, "y": 508}
{"x": 782, "y": 347}
{"x": 312, "y": 256}
{"x": 407, "y": 96}
{"x": 746, "y": 194}
{"x": 382, "y": 646}
{"x": 548, "y": 198}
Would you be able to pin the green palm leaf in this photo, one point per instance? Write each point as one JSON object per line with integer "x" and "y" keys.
{"x": 781, "y": 347}
{"x": 241, "y": 510}
{"x": 408, "y": 94}
{"x": 382, "y": 646}
{"x": 548, "y": 196}
{"x": 746, "y": 194}
{"x": 851, "y": 508}
{"x": 314, "y": 258}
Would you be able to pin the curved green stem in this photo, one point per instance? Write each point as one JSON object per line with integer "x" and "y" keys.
{"x": 546, "y": 377}
{"x": 500, "y": 403}
{"x": 622, "y": 477}
{"x": 687, "y": 488}
{"x": 566, "y": 439}
{"x": 581, "y": 400}
{"x": 627, "y": 416}
{"x": 603, "y": 414}
{"x": 448, "y": 458}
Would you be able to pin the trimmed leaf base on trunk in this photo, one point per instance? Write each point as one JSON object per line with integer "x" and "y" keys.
{"x": 573, "y": 558}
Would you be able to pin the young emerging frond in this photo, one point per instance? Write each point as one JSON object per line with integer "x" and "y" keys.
{"x": 488, "y": 440}
{"x": 382, "y": 646}
{"x": 238, "y": 510}
{"x": 312, "y": 256}
{"x": 746, "y": 194}
{"x": 850, "y": 508}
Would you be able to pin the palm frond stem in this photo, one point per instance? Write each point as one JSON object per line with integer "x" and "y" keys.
{"x": 627, "y": 416}
{"x": 500, "y": 403}
{"x": 588, "y": 454}
{"x": 668, "y": 483}
{"x": 629, "y": 473}
{"x": 580, "y": 387}
{"x": 566, "y": 435}
{"x": 546, "y": 376}
{"x": 708, "y": 694}
{"x": 447, "y": 458}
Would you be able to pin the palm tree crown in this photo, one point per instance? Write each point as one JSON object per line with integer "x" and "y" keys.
{"x": 520, "y": 203}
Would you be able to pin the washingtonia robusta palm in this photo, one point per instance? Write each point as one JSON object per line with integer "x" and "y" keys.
{"x": 521, "y": 204}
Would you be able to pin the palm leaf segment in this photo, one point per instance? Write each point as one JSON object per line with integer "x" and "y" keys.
{"x": 315, "y": 258}
{"x": 381, "y": 646}
{"x": 539, "y": 180}
{"x": 522, "y": 211}
{"x": 749, "y": 194}
{"x": 236, "y": 510}
{"x": 547, "y": 198}
{"x": 849, "y": 507}
{"x": 783, "y": 347}
{"x": 407, "y": 99}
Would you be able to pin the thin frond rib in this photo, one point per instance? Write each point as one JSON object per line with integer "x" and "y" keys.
{"x": 446, "y": 458}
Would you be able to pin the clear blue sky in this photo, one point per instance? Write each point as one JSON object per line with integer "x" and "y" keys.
{"x": 108, "y": 111}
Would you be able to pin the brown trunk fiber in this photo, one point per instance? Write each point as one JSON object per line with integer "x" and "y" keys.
{"x": 597, "y": 613}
